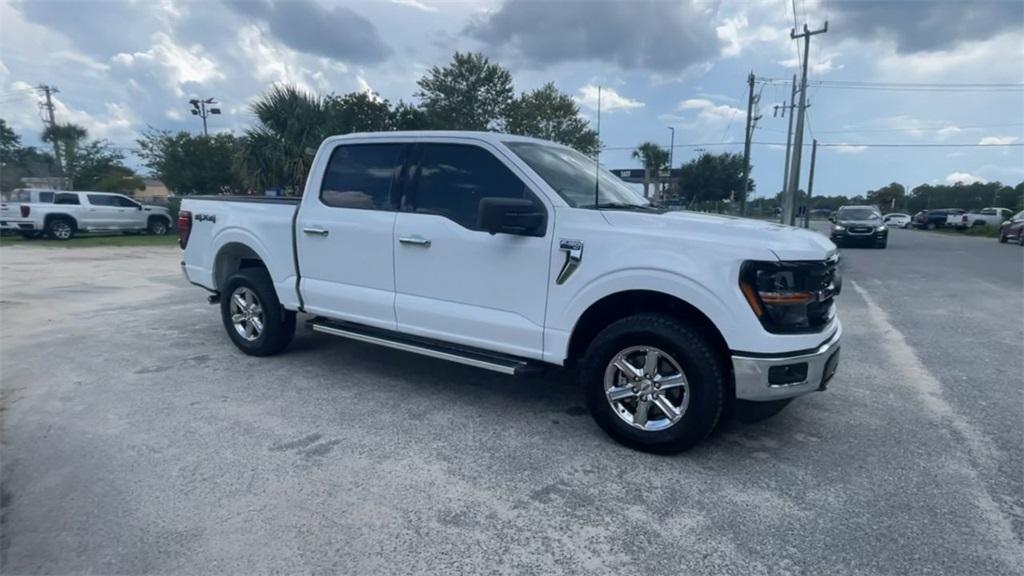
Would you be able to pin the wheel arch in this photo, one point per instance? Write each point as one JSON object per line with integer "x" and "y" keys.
{"x": 618, "y": 305}
{"x": 62, "y": 215}
{"x": 232, "y": 257}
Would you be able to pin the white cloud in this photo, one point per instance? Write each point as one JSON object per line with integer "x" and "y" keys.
{"x": 709, "y": 111}
{"x": 821, "y": 64}
{"x": 610, "y": 99}
{"x": 970, "y": 61}
{"x": 948, "y": 131}
{"x": 849, "y": 148}
{"x": 416, "y": 4}
{"x": 736, "y": 35}
{"x": 273, "y": 62}
{"x": 180, "y": 65}
{"x": 997, "y": 140}
{"x": 963, "y": 177}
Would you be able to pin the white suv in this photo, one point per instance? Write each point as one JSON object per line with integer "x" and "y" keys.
{"x": 64, "y": 213}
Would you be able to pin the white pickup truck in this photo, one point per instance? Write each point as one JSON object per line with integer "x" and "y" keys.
{"x": 983, "y": 217}
{"x": 510, "y": 253}
{"x": 62, "y": 214}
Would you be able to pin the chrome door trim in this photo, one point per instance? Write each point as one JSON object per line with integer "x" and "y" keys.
{"x": 573, "y": 256}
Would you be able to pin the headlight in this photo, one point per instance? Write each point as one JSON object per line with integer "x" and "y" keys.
{"x": 839, "y": 228}
{"x": 791, "y": 296}
{"x": 881, "y": 228}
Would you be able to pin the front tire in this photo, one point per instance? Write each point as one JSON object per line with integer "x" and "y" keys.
{"x": 930, "y": 226}
{"x": 881, "y": 245}
{"x": 253, "y": 316}
{"x": 653, "y": 383}
{"x": 157, "y": 226}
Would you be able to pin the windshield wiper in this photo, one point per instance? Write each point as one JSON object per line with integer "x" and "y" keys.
{"x": 624, "y": 206}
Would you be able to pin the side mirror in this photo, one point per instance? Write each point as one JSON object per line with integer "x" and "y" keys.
{"x": 510, "y": 216}
{"x": 138, "y": 206}
{"x": 832, "y": 219}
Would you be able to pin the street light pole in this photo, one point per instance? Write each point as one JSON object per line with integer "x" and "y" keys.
{"x": 204, "y": 108}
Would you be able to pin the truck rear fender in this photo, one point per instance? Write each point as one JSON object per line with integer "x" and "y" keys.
{"x": 237, "y": 248}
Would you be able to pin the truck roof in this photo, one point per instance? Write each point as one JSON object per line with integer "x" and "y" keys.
{"x": 492, "y": 137}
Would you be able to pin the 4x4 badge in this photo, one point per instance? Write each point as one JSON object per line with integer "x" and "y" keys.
{"x": 573, "y": 255}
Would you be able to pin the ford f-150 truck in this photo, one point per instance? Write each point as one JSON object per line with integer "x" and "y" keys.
{"x": 509, "y": 253}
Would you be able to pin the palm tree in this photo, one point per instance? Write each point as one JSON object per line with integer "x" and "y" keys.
{"x": 65, "y": 139}
{"x": 652, "y": 156}
{"x": 275, "y": 151}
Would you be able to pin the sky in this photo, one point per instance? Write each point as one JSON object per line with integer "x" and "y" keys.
{"x": 122, "y": 66}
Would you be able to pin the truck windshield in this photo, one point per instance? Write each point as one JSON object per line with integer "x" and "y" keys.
{"x": 572, "y": 176}
{"x": 858, "y": 214}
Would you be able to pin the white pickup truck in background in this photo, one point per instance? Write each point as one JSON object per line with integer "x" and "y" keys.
{"x": 983, "y": 217}
{"x": 509, "y": 253}
{"x": 62, "y": 214}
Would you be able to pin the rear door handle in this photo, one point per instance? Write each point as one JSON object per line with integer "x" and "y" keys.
{"x": 415, "y": 240}
{"x": 316, "y": 231}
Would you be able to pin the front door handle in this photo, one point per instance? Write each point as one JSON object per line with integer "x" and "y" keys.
{"x": 316, "y": 231}
{"x": 415, "y": 240}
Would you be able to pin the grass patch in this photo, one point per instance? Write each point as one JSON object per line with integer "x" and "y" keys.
{"x": 93, "y": 240}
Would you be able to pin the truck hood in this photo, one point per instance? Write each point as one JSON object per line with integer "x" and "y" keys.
{"x": 786, "y": 242}
{"x": 871, "y": 223}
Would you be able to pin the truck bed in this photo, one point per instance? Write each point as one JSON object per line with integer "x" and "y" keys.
{"x": 242, "y": 223}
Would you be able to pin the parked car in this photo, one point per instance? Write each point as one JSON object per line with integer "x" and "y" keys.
{"x": 19, "y": 196}
{"x": 897, "y": 219}
{"x": 932, "y": 219}
{"x": 859, "y": 225}
{"x": 1013, "y": 229}
{"x": 953, "y": 216}
{"x": 510, "y": 253}
{"x": 984, "y": 217}
{"x": 71, "y": 212}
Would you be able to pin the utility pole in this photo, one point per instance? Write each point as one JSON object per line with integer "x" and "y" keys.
{"x": 48, "y": 92}
{"x": 199, "y": 108}
{"x": 789, "y": 142}
{"x": 810, "y": 185}
{"x": 671, "y": 150}
{"x": 798, "y": 139}
{"x": 751, "y": 121}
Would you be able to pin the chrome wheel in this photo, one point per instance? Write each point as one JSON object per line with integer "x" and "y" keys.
{"x": 646, "y": 388}
{"x": 60, "y": 230}
{"x": 158, "y": 228}
{"x": 246, "y": 313}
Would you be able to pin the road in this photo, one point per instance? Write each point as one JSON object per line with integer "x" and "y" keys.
{"x": 137, "y": 440}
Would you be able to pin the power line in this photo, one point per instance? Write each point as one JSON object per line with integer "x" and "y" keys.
{"x": 907, "y": 86}
{"x": 840, "y": 145}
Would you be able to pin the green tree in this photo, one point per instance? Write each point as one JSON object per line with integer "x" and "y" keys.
{"x": 713, "y": 177}
{"x": 118, "y": 179}
{"x": 66, "y": 139}
{"x": 889, "y": 197}
{"x": 407, "y": 117}
{"x": 17, "y": 161}
{"x": 652, "y": 156}
{"x": 189, "y": 164}
{"x": 470, "y": 93}
{"x": 552, "y": 115}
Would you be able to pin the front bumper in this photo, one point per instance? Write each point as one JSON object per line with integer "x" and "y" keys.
{"x": 847, "y": 236}
{"x": 752, "y": 373}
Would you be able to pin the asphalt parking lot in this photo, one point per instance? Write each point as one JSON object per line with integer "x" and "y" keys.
{"x": 136, "y": 439}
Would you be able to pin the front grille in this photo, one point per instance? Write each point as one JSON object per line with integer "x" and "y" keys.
{"x": 860, "y": 229}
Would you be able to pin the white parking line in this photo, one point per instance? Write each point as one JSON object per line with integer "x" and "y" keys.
{"x": 909, "y": 369}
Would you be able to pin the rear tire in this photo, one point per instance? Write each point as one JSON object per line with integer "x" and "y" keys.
{"x": 697, "y": 398}
{"x": 930, "y": 226}
{"x": 253, "y": 316}
{"x": 60, "y": 229}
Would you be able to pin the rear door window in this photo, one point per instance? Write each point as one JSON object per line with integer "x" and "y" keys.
{"x": 101, "y": 200}
{"x": 66, "y": 198}
{"x": 362, "y": 176}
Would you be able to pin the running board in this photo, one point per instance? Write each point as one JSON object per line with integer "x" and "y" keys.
{"x": 496, "y": 362}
